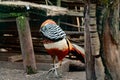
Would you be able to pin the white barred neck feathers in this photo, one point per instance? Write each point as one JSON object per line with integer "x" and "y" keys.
{"x": 52, "y": 31}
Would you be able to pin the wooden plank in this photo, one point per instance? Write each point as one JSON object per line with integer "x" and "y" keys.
{"x": 7, "y": 20}
{"x": 75, "y": 13}
{"x": 72, "y": 1}
{"x": 68, "y": 24}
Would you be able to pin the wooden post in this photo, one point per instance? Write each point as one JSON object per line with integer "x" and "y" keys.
{"x": 46, "y": 1}
{"x": 78, "y": 20}
{"x": 58, "y": 2}
{"x": 26, "y": 44}
{"x": 90, "y": 69}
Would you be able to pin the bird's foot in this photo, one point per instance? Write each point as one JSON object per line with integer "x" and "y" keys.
{"x": 54, "y": 72}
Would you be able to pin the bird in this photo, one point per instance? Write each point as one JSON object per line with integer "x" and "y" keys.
{"x": 57, "y": 45}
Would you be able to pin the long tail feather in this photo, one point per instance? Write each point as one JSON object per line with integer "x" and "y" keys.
{"x": 78, "y": 52}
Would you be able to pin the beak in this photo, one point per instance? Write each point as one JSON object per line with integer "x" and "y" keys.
{"x": 40, "y": 30}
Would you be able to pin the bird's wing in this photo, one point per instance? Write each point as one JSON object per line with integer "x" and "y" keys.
{"x": 53, "y": 32}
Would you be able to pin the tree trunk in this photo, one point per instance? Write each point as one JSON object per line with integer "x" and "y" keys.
{"x": 111, "y": 54}
{"x": 108, "y": 29}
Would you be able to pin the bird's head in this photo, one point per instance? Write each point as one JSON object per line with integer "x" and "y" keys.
{"x": 47, "y": 25}
{"x": 51, "y": 30}
{"x": 48, "y": 21}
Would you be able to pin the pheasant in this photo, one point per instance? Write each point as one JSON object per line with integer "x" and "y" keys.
{"x": 57, "y": 45}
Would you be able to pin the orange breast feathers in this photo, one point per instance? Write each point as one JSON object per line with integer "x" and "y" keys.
{"x": 59, "y": 53}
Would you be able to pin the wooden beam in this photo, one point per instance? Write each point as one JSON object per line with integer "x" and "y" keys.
{"x": 43, "y": 9}
{"x": 69, "y": 24}
{"x": 72, "y": 1}
{"x": 26, "y": 44}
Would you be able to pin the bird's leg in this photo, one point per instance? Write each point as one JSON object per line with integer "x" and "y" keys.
{"x": 54, "y": 69}
{"x": 55, "y": 66}
{"x": 60, "y": 68}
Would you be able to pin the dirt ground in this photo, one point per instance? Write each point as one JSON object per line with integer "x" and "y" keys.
{"x": 9, "y": 72}
{"x": 15, "y": 74}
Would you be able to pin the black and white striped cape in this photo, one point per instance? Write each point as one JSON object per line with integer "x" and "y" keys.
{"x": 53, "y": 32}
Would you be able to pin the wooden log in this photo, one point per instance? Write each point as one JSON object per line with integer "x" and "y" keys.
{"x": 26, "y": 44}
{"x": 15, "y": 58}
{"x": 39, "y": 58}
